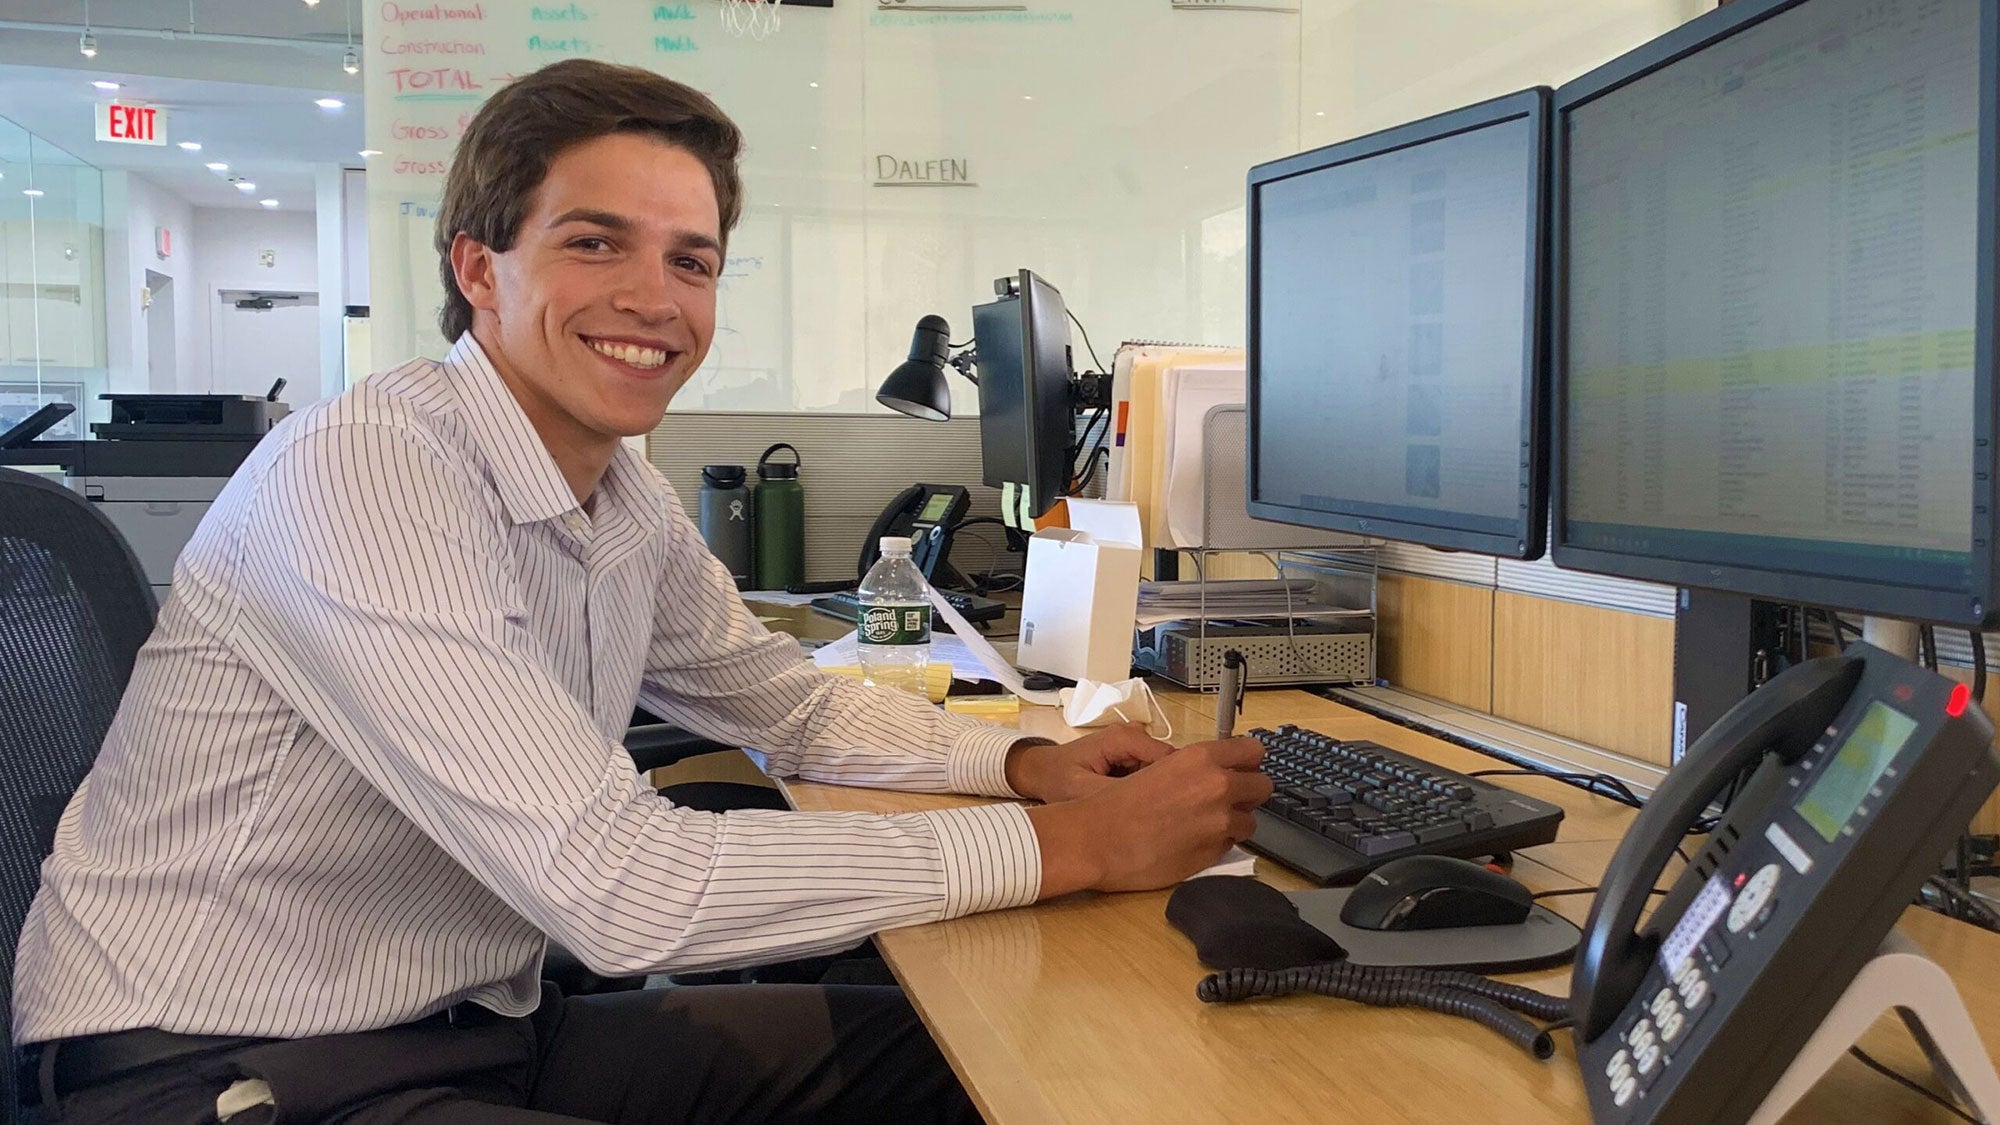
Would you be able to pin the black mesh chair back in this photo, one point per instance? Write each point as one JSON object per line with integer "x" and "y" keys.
{"x": 74, "y": 609}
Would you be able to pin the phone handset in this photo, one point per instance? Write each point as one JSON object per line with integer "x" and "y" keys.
{"x": 1785, "y": 717}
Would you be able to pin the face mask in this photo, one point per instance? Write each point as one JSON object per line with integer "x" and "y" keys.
{"x": 1092, "y": 704}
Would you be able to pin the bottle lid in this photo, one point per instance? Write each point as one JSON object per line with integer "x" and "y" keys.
{"x": 722, "y": 476}
{"x": 768, "y": 469}
{"x": 895, "y": 544}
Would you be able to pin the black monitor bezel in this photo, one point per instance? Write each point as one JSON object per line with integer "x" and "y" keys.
{"x": 1975, "y": 606}
{"x": 1047, "y": 407}
{"x": 1528, "y": 536}
{"x": 1050, "y": 410}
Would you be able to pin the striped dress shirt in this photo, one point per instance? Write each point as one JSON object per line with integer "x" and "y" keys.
{"x": 370, "y": 756}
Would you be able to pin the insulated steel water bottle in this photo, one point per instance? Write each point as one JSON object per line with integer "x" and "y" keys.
{"x": 780, "y": 515}
{"x": 725, "y": 519}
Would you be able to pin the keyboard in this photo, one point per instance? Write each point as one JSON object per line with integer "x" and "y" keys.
{"x": 1340, "y": 809}
{"x": 846, "y": 605}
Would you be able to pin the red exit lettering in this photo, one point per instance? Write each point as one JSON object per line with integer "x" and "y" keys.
{"x": 132, "y": 122}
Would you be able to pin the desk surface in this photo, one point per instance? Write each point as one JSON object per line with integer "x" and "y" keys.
{"x": 1083, "y": 1009}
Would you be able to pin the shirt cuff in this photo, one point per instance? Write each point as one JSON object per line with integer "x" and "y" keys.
{"x": 976, "y": 763}
{"x": 991, "y": 858}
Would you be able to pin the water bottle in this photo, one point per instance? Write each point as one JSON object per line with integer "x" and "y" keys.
{"x": 725, "y": 519}
{"x": 893, "y": 631}
{"x": 780, "y": 507}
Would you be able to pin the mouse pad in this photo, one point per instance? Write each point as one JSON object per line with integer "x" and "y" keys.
{"x": 1543, "y": 940}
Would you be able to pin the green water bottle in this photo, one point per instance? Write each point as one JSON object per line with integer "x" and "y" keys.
{"x": 780, "y": 508}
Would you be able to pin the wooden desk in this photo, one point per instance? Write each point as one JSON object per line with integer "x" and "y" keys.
{"x": 1083, "y": 1009}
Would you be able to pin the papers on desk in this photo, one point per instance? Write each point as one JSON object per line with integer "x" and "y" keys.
{"x": 946, "y": 648}
{"x": 1146, "y": 387}
{"x": 779, "y": 597}
{"x": 1235, "y": 861}
{"x": 1233, "y": 599}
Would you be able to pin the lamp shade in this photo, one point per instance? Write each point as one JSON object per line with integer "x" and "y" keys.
{"x": 917, "y": 386}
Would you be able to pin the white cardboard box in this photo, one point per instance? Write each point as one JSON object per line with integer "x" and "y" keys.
{"x": 1081, "y": 594}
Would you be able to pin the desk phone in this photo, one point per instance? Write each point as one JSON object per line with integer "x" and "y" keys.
{"x": 1866, "y": 768}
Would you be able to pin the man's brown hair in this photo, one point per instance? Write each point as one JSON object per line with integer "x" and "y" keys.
{"x": 507, "y": 149}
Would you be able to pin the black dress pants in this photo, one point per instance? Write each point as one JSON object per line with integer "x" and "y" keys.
{"x": 750, "y": 1053}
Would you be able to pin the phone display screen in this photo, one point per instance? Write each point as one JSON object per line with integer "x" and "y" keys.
{"x": 935, "y": 507}
{"x": 1845, "y": 780}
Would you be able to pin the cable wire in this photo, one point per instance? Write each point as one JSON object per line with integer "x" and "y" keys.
{"x": 1539, "y": 895}
{"x": 1909, "y": 1083}
{"x": 1617, "y": 790}
{"x": 1499, "y": 1006}
{"x": 1086, "y": 341}
{"x": 1978, "y": 663}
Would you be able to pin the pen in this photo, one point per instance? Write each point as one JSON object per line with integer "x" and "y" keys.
{"x": 1230, "y": 696}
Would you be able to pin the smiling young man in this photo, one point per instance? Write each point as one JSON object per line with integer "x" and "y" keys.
{"x": 368, "y": 763}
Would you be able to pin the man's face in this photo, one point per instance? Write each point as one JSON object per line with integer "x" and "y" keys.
{"x": 606, "y": 304}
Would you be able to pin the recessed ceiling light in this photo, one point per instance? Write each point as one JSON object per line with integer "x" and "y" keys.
{"x": 1027, "y": 97}
{"x": 32, "y": 193}
{"x": 103, "y": 85}
{"x": 328, "y": 103}
{"x": 268, "y": 202}
{"x": 217, "y": 166}
{"x": 1319, "y": 113}
{"x": 368, "y": 152}
{"x": 814, "y": 85}
{"x": 245, "y": 186}
{"x": 190, "y": 146}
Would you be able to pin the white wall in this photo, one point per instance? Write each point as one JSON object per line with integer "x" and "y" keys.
{"x": 1372, "y": 64}
{"x": 1086, "y": 140}
{"x": 133, "y": 207}
{"x": 228, "y": 244}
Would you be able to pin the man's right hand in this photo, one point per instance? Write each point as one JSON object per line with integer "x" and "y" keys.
{"x": 1154, "y": 827}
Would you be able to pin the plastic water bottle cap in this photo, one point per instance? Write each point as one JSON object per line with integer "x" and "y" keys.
{"x": 895, "y": 545}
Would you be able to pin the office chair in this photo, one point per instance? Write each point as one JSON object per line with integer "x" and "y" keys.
{"x": 74, "y": 609}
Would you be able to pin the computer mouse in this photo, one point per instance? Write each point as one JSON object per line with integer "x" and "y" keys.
{"x": 1434, "y": 892}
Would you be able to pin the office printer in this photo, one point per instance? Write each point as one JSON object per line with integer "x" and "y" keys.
{"x": 191, "y": 417}
{"x": 156, "y": 467}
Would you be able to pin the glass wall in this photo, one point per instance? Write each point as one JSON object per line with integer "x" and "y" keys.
{"x": 51, "y": 281}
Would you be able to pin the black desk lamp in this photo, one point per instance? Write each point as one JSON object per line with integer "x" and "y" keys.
{"x": 917, "y": 386}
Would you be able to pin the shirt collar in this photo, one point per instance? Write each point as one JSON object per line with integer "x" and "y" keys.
{"x": 636, "y": 488}
{"x": 530, "y": 483}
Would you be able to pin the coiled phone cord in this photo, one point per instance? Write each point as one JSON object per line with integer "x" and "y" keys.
{"x": 1466, "y": 995}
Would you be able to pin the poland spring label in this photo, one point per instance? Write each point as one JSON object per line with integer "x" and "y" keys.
{"x": 895, "y": 625}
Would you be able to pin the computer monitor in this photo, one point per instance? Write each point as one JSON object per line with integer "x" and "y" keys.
{"x": 1026, "y": 418}
{"x": 1396, "y": 364}
{"x": 1774, "y": 307}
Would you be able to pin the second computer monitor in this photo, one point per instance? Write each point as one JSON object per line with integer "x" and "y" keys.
{"x": 1396, "y": 345}
{"x": 1775, "y": 313}
{"x": 1026, "y": 420}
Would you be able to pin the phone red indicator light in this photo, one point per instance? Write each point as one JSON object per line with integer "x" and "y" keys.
{"x": 1961, "y": 694}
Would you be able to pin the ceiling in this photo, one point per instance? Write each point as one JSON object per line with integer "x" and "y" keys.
{"x": 277, "y": 19}
{"x": 274, "y": 136}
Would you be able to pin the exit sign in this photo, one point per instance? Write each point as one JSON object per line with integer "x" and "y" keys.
{"x": 131, "y": 124}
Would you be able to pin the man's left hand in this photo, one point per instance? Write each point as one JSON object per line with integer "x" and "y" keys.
{"x": 1066, "y": 771}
